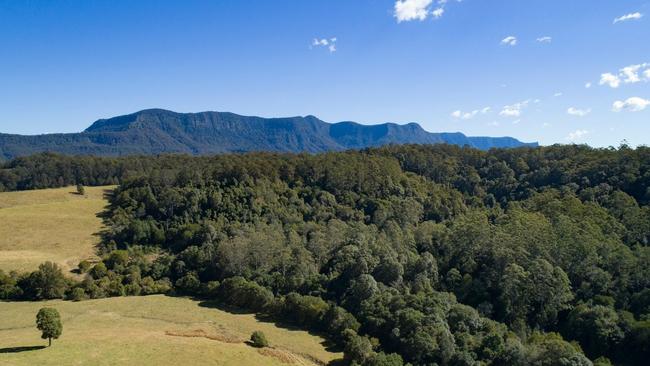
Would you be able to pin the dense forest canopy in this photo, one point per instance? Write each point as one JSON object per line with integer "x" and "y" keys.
{"x": 431, "y": 255}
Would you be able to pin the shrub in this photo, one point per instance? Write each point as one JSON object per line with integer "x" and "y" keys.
{"x": 84, "y": 266}
{"x": 246, "y": 294}
{"x": 188, "y": 284}
{"x": 77, "y": 294}
{"x": 258, "y": 339}
{"x": 99, "y": 270}
{"x": 133, "y": 289}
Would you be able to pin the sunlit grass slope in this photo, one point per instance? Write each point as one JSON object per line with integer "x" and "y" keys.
{"x": 150, "y": 330}
{"x": 49, "y": 225}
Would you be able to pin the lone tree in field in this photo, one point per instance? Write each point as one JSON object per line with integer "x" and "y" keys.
{"x": 258, "y": 339}
{"x": 48, "y": 321}
{"x": 81, "y": 190}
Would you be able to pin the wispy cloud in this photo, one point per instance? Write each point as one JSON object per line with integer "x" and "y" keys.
{"x": 514, "y": 110}
{"x": 626, "y": 17}
{"x": 558, "y": 94}
{"x": 545, "y": 39}
{"x": 329, "y": 43}
{"x": 438, "y": 12}
{"x": 634, "y": 104}
{"x": 576, "y": 135}
{"x": 588, "y": 85}
{"x": 469, "y": 115}
{"x": 509, "y": 41}
{"x": 578, "y": 112}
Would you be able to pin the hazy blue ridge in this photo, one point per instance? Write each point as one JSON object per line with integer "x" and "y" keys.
{"x": 156, "y": 131}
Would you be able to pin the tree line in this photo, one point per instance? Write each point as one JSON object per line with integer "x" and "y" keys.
{"x": 400, "y": 254}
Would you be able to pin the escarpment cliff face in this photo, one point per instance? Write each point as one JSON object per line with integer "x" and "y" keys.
{"x": 156, "y": 131}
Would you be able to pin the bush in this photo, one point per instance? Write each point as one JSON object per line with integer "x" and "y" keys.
{"x": 8, "y": 289}
{"x": 99, "y": 270}
{"x": 305, "y": 310}
{"x": 84, "y": 266}
{"x": 48, "y": 282}
{"x": 246, "y": 294}
{"x": 133, "y": 289}
{"x": 188, "y": 284}
{"x": 117, "y": 258}
{"x": 258, "y": 339}
{"x": 210, "y": 289}
{"x": 77, "y": 294}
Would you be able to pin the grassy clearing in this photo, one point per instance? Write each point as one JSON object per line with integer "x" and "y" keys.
{"x": 150, "y": 330}
{"x": 49, "y": 224}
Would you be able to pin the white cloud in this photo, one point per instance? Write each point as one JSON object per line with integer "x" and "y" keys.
{"x": 469, "y": 115}
{"x": 514, "y": 110}
{"x": 493, "y": 124}
{"x": 626, "y": 17}
{"x": 558, "y": 94}
{"x": 545, "y": 39}
{"x": 438, "y": 12}
{"x": 578, "y": 112}
{"x": 634, "y": 104}
{"x": 509, "y": 41}
{"x": 577, "y": 135}
{"x": 330, "y": 43}
{"x": 516, "y": 122}
{"x": 629, "y": 75}
{"x": 407, "y": 10}
{"x": 588, "y": 85}
{"x": 610, "y": 79}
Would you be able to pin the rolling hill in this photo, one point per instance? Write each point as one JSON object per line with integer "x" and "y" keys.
{"x": 59, "y": 225}
{"x": 156, "y": 131}
{"x": 55, "y": 225}
{"x": 152, "y": 330}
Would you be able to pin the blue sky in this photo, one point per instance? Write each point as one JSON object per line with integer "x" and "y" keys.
{"x": 482, "y": 67}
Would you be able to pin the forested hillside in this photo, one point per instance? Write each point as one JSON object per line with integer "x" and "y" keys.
{"x": 431, "y": 255}
{"x": 158, "y": 131}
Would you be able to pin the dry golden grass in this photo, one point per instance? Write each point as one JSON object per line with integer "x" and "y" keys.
{"x": 150, "y": 330}
{"x": 49, "y": 225}
{"x": 59, "y": 225}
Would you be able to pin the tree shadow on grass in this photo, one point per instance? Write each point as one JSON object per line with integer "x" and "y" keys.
{"x": 328, "y": 344}
{"x": 20, "y": 349}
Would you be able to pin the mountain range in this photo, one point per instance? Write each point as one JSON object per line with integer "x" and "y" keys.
{"x": 157, "y": 131}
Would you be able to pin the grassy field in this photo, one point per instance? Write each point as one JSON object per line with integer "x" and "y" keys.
{"x": 150, "y": 330}
{"x": 59, "y": 225}
{"x": 49, "y": 224}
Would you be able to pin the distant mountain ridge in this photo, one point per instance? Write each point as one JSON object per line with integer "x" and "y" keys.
{"x": 156, "y": 131}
